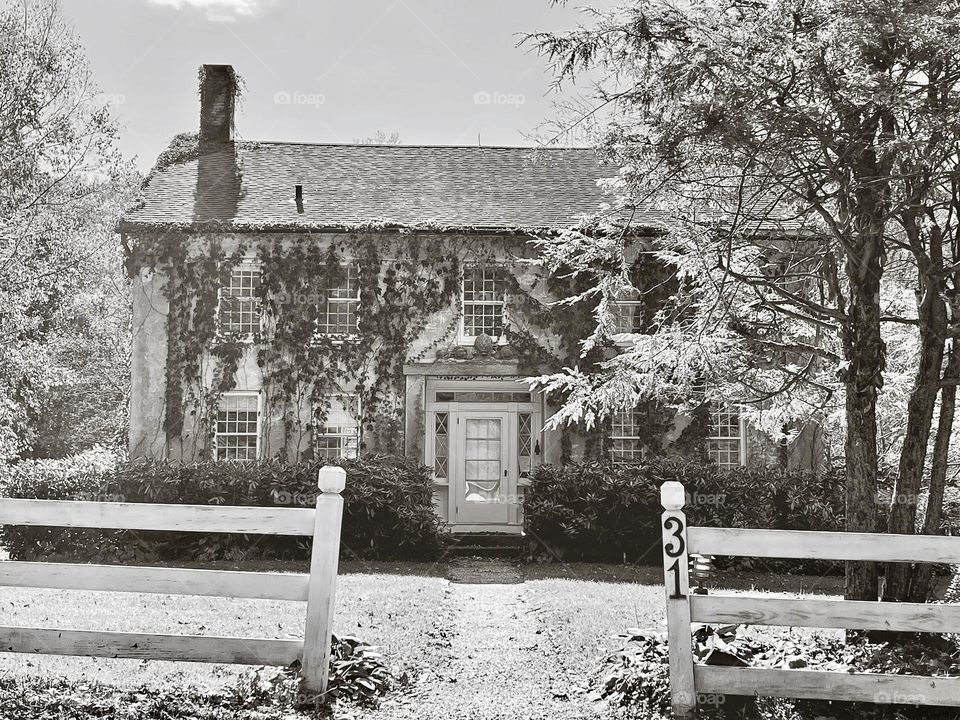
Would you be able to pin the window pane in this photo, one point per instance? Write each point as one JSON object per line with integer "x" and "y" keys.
{"x": 480, "y": 319}
{"x": 240, "y": 302}
{"x": 338, "y": 312}
{"x": 482, "y": 459}
{"x": 338, "y": 436}
{"x": 627, "y": 449}
{"x": 441, "y": 440}
{"x": 725, "y": 436}
{"x": 628, "y": 317}
{"x": 524, "y": 442}
{"x": 236, "y": 427}
{"x": 726, "y": 453}
{"x": 483, "y": 296}
{"x": 626, "y": 444}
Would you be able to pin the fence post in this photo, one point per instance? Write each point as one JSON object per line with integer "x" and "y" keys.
{"x": 676, "y": 580}
{"x": 321, "y": 588}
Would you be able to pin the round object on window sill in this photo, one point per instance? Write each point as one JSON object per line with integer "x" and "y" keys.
{"x": 484, "y": 345}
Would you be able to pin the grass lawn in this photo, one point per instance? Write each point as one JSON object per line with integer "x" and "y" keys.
{"x": 581, "y": 618}
{"x": 389, "y": 608}
{"x": 573, "y": 611}
{"x": 584, "y": 606}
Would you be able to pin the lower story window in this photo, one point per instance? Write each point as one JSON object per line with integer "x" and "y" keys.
{"x": 338, "y": 434}
{"x": 626, "y": 444}
{"x": 525, "y": 443}
{"x": 725, "y": 436}
{"x": 237, "y": 434}
{"x": 441, "y": 446}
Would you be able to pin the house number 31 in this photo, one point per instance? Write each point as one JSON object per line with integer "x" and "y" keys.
{"x": 675, "y": 549}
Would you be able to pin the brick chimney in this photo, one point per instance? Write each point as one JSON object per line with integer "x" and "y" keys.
{"x": 218, "y": 89}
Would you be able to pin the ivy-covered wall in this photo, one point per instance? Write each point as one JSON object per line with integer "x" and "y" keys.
{"x": 409, "y": 316}
{"x": 182, "y": 363}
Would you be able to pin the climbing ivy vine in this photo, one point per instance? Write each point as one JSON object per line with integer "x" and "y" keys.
{"x": 405, "y": 280}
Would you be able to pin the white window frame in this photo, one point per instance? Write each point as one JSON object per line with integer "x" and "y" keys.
{"x": 634, "y": 302}
{"x": 715, "y": 410}
{"x": 217, "y": 434}
{"x": 346, "y": 400}
{"x": 469, "y": 340}
{"x": 323, "y": 307}
{"x": 614, "y": 456}
{"x": 250, "y": 266}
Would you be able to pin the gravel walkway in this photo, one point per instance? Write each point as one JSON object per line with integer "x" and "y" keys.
{"x": 493, "y": 659}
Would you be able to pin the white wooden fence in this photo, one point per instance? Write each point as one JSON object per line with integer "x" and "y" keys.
{"x": 317, "y": 588}
{"x": 690, "y": 680}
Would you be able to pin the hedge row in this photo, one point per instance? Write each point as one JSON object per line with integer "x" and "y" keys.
{"x": 587, "y": 511}
{"x": 388, "y": 509}
{"x": 611, "y": 513}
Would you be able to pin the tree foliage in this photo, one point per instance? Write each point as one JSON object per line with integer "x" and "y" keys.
{"x": 800, "y": 158}
{"x": 62, "y": 297}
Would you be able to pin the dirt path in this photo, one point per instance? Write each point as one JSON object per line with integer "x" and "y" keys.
{"x": 492, "y": 660}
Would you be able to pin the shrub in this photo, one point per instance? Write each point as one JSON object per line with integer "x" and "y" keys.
{"x": 637, "y": 676}
{"x": 388, "y": 511}
{"x": 359, "y": 679}
{"x": 604, "y": 512}
{"x": 98, "y": 460}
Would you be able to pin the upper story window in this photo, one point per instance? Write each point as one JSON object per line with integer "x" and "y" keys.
{"x": 338, "y": 436}
{"x": 237, "y": 432}
{"x": 239, "y": 311}
{"x": 483, "y": 296}
{"x": 725, "y": 436}
{"x": 628, "y": 312}
{"x": 338, "y": 311}
{"x": 626, "y": 443}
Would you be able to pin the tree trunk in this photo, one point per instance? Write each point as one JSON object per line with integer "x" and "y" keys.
{"x": 863, "y": 376}
{"x": 920, "y": 581}
{"x": 861, "y": 488}
{"x": 913, "y": 455}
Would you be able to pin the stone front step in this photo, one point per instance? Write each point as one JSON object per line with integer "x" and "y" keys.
{"x": 486, "y": 545}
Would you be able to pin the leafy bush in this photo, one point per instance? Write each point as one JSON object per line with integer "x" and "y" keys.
{"x": 388, "y": 510}
{"x": 604, "y": 512}
{"x": 358, "y": 678}
{"x": 96, "y": 461}
{"x": 358, "y": 672}
{"x": 637, "y": 676}
{"x": 359, "y": 675}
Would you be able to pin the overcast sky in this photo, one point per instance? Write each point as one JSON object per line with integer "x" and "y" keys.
{"x": 435, "y": 71}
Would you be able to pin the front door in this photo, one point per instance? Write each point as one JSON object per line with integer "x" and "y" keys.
{"x": 479, "y": 477}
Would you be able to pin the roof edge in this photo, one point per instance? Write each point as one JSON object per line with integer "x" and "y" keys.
{"x": 414, "y": 146}
{"x": 132, "y": 226}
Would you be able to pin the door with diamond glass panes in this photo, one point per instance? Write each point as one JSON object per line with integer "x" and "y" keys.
{"x": 480, "y": 477}
{"x": 483, "y": 441}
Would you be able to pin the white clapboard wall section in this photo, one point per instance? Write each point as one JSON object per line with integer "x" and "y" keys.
{"x": 317, "y": 589}
{"x": 690, "y": 680}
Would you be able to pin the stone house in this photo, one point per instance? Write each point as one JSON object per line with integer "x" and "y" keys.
{"x": 299, "y": 300}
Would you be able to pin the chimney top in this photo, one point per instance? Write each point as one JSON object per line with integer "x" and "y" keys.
{"x": 218, "y": 90}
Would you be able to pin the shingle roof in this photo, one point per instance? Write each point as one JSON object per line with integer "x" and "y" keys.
{"x": 251, "y": 186}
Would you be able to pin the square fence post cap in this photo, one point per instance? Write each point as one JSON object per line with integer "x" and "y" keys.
{"x": 672, "y": 495}
{"x": 331, "y": 479}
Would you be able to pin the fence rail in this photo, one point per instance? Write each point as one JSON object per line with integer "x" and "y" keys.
{"x": 317, "y": 589}
{"x": 688, "y": 679}
{"x": 159, "y": 580}
{"x": 816, "y": 545}
{"x": 149, "y": 516}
